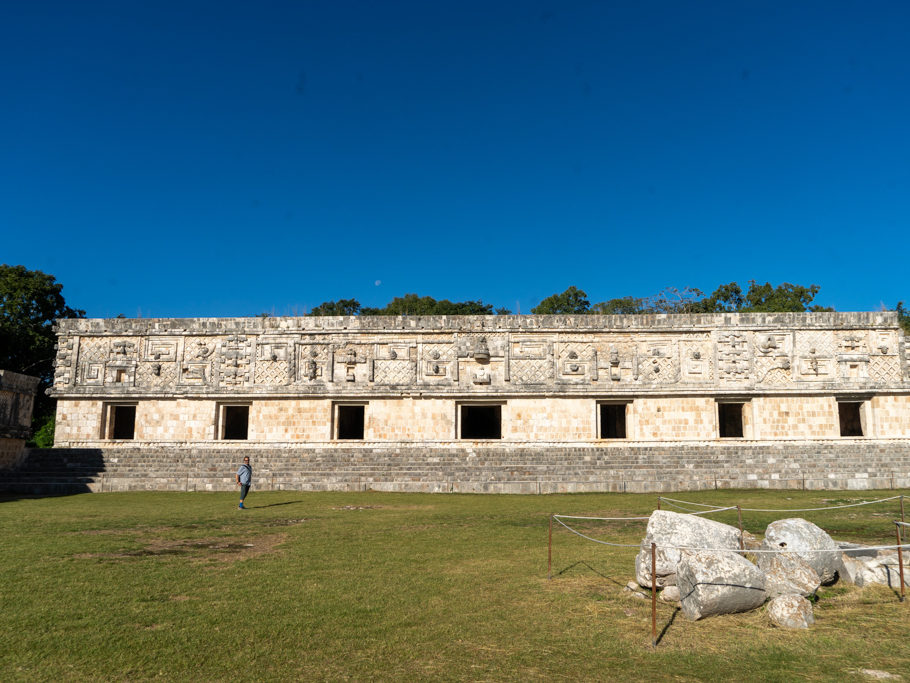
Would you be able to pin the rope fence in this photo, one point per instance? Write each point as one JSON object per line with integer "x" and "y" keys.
{"x": 900, "y": 546}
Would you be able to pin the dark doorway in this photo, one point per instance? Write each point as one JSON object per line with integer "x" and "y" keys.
{"x": 350, "y": 422}
{"x": 730, "y": 420}
{"x": 481, "y": 422}
{"x": 123, "y": 422}
{"x": 236, "y": 422}
{"x": 851, "y": 424}
{"x": 612, "y": 420}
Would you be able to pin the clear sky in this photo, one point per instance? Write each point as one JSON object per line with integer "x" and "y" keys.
{"x": 229, "y": 158}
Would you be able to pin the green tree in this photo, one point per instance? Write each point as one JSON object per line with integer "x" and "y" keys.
{"x": 340, "y": 307}
{"x": 413, "y": 304}
{"x": 573, "y": 300}
{"x": 627, "y": 305}
{"x": 30, "y": 302}
{"x": 781, "y": 299}
{"x": 903, "y": 317}
{"x": 725, "y": 299}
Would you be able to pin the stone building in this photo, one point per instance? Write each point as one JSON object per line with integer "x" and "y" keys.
{"x": 495, "y": 403}
{"x": 17, "y": 398}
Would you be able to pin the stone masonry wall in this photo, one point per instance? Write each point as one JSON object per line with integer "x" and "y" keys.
{"x": 17, "y": 398}
{"x": 547, "y": 374}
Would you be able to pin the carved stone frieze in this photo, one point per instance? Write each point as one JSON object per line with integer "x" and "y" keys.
{"x": 491, "y": 355}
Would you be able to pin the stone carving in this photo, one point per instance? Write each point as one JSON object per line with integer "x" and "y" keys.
{"x": 577, "y": 361}
{"x": 481, "y": 351}
{"x": 64, "y": 365}
{"x": 394, "y": 371}
{"x": 273, "y": 360}
{"x": 350, "y": 357}
{"x": 235, "y": 360}
{"x": 815, "y": 354}
{"x": 198, "y": 348}
{"x": 122, "y": 349}
{"x": 437, "y": 360}
{"x": 734, "y": 359}
{"x": 657, "y": 362}
{"x": 156, "y": 375}
{"x": 92, "y": 373}
{"x": 120, "y": 373}
{"x": 526, "y": 353}
{"x": 482, "y": 375}
{"x": 194, "y": 374}
{"x": 697, "y": 360}
{"x": 311, "y": 361}
{"x": 161, "y": 349}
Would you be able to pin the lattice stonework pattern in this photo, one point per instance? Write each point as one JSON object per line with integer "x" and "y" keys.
{"x": 272, "y": 372}
{"x": 156, "y": 375}
{"x": 531, "y": 371}
{"x": 658, "y": 361}
{"x": 885, "y": 369}
{"x": 393, "y": 372}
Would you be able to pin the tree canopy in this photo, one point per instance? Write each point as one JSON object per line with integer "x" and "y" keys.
{"x": 30, "y": 301}
{"x": 728, "y": 298}
{"x": 573, "y": 300}
{"x": 409, "y": 304}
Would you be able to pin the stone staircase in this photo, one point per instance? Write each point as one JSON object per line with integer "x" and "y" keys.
{"x": 465, "y": 468}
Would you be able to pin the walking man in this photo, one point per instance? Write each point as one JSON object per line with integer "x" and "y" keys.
{"x": 244, "y": 480}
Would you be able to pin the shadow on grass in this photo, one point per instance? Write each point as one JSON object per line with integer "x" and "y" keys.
{"x": 272, "y": 505}
{"x": 663, "y": 631}
{"x": 582, "y": 563}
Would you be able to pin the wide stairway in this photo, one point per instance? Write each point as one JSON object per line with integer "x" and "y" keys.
{"x": 465, "y": 468}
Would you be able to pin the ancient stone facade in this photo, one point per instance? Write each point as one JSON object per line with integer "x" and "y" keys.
{"x": 17, "y": 397}
{"x": 457, "y": 383}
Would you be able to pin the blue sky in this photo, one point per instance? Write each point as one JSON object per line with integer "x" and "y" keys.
{"x": 216, "y": 159}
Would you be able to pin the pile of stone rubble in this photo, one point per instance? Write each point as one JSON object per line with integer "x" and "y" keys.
{"x": 718, "y": 578}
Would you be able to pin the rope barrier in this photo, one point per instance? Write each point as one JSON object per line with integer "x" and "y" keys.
{"x": 559, "y": 519}
{"x": 831, "y": 507}
{"x": 626, "y": 519}
{"x": 606, "y": 519}
{"x": 578, "y": 533}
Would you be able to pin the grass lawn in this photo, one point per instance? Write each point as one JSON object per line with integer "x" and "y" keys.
{"x": 376, "y": 586}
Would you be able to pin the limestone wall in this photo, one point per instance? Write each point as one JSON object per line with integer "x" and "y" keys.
{"x": 788, "y": 375}
{"x": 543, "y": 419}
{"x": 17, "y": 398}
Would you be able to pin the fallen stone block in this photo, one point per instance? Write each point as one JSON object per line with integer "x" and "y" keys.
{"x": 670, "y": 530}
{"x": 791, "y": 611}
{"x": 718, "y": 582}
{"x": 808, "y": 541}
{"x": 788, "y": 573}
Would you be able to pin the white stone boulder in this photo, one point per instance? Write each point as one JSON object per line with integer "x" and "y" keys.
{"x": 862, "y": 567}
{"x": 670, "y": 594}
{"x": 718, "y": 582}
{"x": 791, "y": 611}
{"x": 787, "y": 574}
{"x": 670, "y": 530}
{"x": 808, "y": 541}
